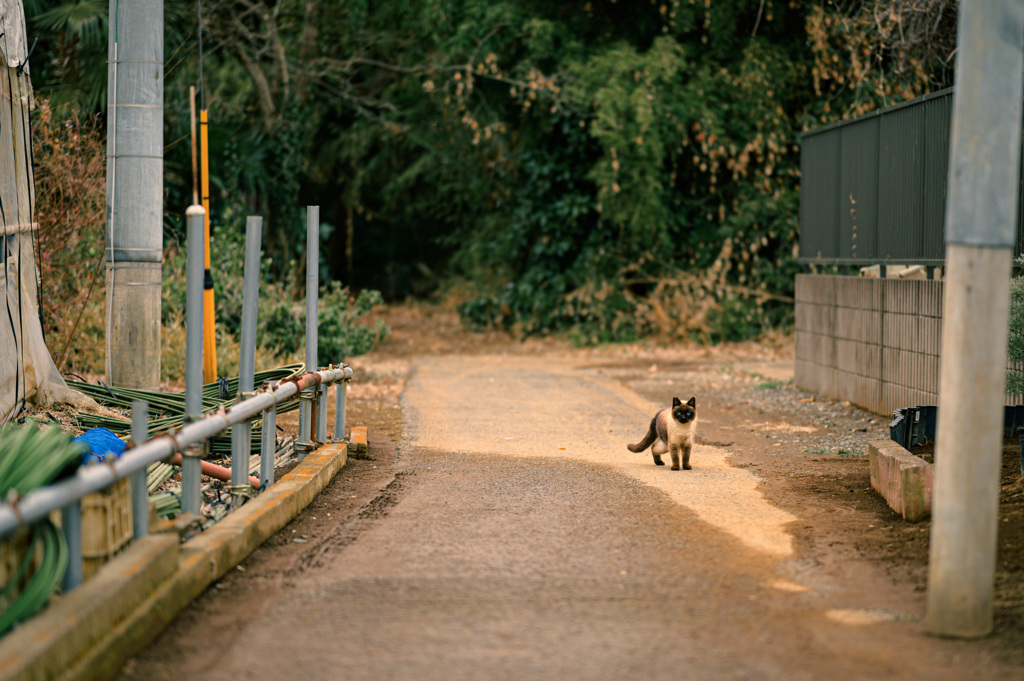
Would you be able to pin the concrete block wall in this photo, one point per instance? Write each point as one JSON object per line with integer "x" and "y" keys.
{"x": 874, "y": 342}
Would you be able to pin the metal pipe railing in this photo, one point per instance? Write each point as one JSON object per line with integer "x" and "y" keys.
{"x": 37, "y": 504}
{"x": 190, "y": 440}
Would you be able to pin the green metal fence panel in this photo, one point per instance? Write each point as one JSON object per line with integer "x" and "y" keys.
{"x": 874, "y": 188}
{"x": 819, "y": 170}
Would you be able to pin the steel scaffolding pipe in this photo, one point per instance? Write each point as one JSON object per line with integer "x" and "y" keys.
{"x": 38, "y": 504}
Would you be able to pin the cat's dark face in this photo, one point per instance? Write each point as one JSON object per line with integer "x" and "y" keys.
{"x": 684, "y": 413}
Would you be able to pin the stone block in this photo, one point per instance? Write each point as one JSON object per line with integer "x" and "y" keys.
{"x": 905, "y": 481}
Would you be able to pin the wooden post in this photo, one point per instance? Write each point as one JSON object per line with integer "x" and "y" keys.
{"x": 980, "y": 232}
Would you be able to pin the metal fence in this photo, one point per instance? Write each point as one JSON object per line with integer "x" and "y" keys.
{"x": 311, "y": 389}
{"x": 873, "y": 189}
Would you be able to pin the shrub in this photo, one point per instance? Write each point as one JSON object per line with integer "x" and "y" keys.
{"x": 69, "y": 160}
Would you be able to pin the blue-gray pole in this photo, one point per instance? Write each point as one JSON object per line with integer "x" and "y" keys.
{"x": 191, "y": 468}
{"x": 140, "y": 491}
{"x": 312, "y": 291}
{"x": 268, "y": 447}
{"x": 981, "y": 219}
{"x": 71, "y": 524}
{"x": 241, "y": 434}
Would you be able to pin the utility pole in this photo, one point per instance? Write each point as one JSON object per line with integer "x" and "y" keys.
{"x": 134, "y": 250}
{"x": 981, "y": 219}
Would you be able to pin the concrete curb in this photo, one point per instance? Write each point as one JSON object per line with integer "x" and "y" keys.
{"x": 92, "y": 631}
{"x": 904, "y": 480}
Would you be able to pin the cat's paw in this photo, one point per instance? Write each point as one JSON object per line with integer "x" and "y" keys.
{"x": 675, "y": 467}
{"x": 659, "y": 463}
{"x": 688, "y": 467}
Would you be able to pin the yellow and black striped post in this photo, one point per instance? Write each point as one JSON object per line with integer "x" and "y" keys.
{"x": 209, "y": 310}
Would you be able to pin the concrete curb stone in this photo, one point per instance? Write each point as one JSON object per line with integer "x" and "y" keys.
{"x": 904, "y": 480}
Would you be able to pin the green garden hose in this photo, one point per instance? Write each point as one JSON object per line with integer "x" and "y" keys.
{"x": 31, "y": 458}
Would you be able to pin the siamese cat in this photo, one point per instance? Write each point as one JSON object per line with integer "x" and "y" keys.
{"x": 672, "y": 430}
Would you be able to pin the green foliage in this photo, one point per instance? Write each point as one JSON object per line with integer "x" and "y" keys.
{"x": 280, "y": 325}
{"x": 610, "y": 170}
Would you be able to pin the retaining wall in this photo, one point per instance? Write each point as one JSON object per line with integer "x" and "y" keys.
{"x": 874, "y": 342}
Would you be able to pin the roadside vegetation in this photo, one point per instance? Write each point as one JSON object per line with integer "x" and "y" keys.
{"x": 610, "y": 171}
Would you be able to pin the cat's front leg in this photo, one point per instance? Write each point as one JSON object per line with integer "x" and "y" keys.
{"x": 686, "y": 456}
{"x": 674, "y": 451}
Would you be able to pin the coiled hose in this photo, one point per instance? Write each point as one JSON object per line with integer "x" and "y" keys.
{"x": 31, "y": 458}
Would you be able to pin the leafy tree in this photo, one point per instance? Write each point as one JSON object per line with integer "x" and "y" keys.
{"x": 610, "y": 169}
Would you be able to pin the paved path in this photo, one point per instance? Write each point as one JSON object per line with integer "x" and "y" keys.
{"x": 520, "y": 540}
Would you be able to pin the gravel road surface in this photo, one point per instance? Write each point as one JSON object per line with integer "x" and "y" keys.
{"x": 511, "y": 535}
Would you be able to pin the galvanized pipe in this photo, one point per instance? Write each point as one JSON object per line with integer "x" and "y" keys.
{"x": 140, "y": 492}
{"x": 39, "y": 503}
{"x": 312, "y": 294}
{"x": 340, "y": 404}
{"x": 321, "y": 414}
{"x": 191, "y": 473}
{"x": 241, "y": 433}
{"x": 71, "y": 525}
{"x": 268, "y": 447}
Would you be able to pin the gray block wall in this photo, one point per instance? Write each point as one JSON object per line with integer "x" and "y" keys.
{"x": 873, "y": 342}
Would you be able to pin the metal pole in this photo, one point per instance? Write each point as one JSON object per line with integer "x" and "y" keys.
{"x": 71, "y": 525}
{"x": 340, "y": 399}
{"x": 980, "y": 231}
{"x": 135, "y": 149}
{"x": 312, "y": 290}
{"x": 191, "y": 473}
{"x": 140, "y": 492}
{"x": 321, "y": 414}
{"x": 268, "y": 447}
{"x": 241, "y": 434}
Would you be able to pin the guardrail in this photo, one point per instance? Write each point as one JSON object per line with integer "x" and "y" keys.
{"x": 311, "y": 388}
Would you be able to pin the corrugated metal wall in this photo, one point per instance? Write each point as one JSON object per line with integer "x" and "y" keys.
{"x": 874, "y": 188}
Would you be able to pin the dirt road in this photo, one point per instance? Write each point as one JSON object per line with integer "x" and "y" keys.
{"x": 507, "y": 533}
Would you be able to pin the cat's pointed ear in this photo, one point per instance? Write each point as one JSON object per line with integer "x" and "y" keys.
{"x": 676, "y": 402}
{"x": 693, "y": 402}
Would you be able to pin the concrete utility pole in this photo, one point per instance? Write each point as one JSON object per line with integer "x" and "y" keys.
{"x": 135, "y": 143}
{"x": 981, "y": 219}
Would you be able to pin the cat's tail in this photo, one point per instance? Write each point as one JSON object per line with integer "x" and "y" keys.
{"x": 648, "y": 440}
